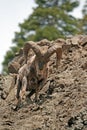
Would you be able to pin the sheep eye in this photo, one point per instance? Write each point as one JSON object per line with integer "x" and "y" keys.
{"x": 32, "y": 69}
{"x": 40, "y": 65}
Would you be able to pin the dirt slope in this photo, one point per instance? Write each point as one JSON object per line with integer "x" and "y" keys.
{"x": 63, "y": 100}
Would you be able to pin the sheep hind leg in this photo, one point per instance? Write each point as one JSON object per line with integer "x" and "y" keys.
{"x": 18, "y": 100}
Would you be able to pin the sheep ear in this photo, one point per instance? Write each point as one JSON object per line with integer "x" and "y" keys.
{"x": 54, "y": 49}
{"x": 31, "y": 45}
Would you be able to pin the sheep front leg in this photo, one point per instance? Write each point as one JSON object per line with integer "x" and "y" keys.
{"x": 18, "y": 88}
{"x": 21, "y": 88}
{"x": 24, "y": 87}
{"x": 31, "y": 93}
{"x": 18, "y": 85}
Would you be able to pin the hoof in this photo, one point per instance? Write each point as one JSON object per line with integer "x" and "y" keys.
{"x": 36, "y": 100}
{"x": 14, "y": 107}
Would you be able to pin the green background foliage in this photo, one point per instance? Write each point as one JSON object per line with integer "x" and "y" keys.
{"x": 51, "y": 19}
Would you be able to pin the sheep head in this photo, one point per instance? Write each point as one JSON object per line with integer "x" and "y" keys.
{"x": 38, "y": 61}
{"x": 41, "y": 68}
{"x": 42, "y": 58}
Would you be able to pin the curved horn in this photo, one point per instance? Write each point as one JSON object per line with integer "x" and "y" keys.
{"x": 54, "y": 49}
{"x": 31, "y": 45}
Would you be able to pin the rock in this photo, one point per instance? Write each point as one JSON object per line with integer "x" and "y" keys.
{"x": 62, "y": 101}
{"x": 84, "y": 66}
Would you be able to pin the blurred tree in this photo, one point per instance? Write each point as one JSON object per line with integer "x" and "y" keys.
{"x": 83, "y": 21}
{"x": 50, "y": 19}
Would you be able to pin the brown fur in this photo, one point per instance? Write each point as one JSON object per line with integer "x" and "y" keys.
{"x": 33, "y": 74}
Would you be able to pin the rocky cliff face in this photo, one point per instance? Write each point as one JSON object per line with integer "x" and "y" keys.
{"x": 62, "y": 102}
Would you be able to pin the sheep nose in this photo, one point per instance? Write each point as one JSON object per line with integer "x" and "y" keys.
{"x": 39, "y": 75}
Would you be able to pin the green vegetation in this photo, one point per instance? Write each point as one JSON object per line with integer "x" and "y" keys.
{"x": 51, "y": 19}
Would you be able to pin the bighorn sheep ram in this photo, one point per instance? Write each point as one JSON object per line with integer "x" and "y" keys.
{"x": 33, "y": 74}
